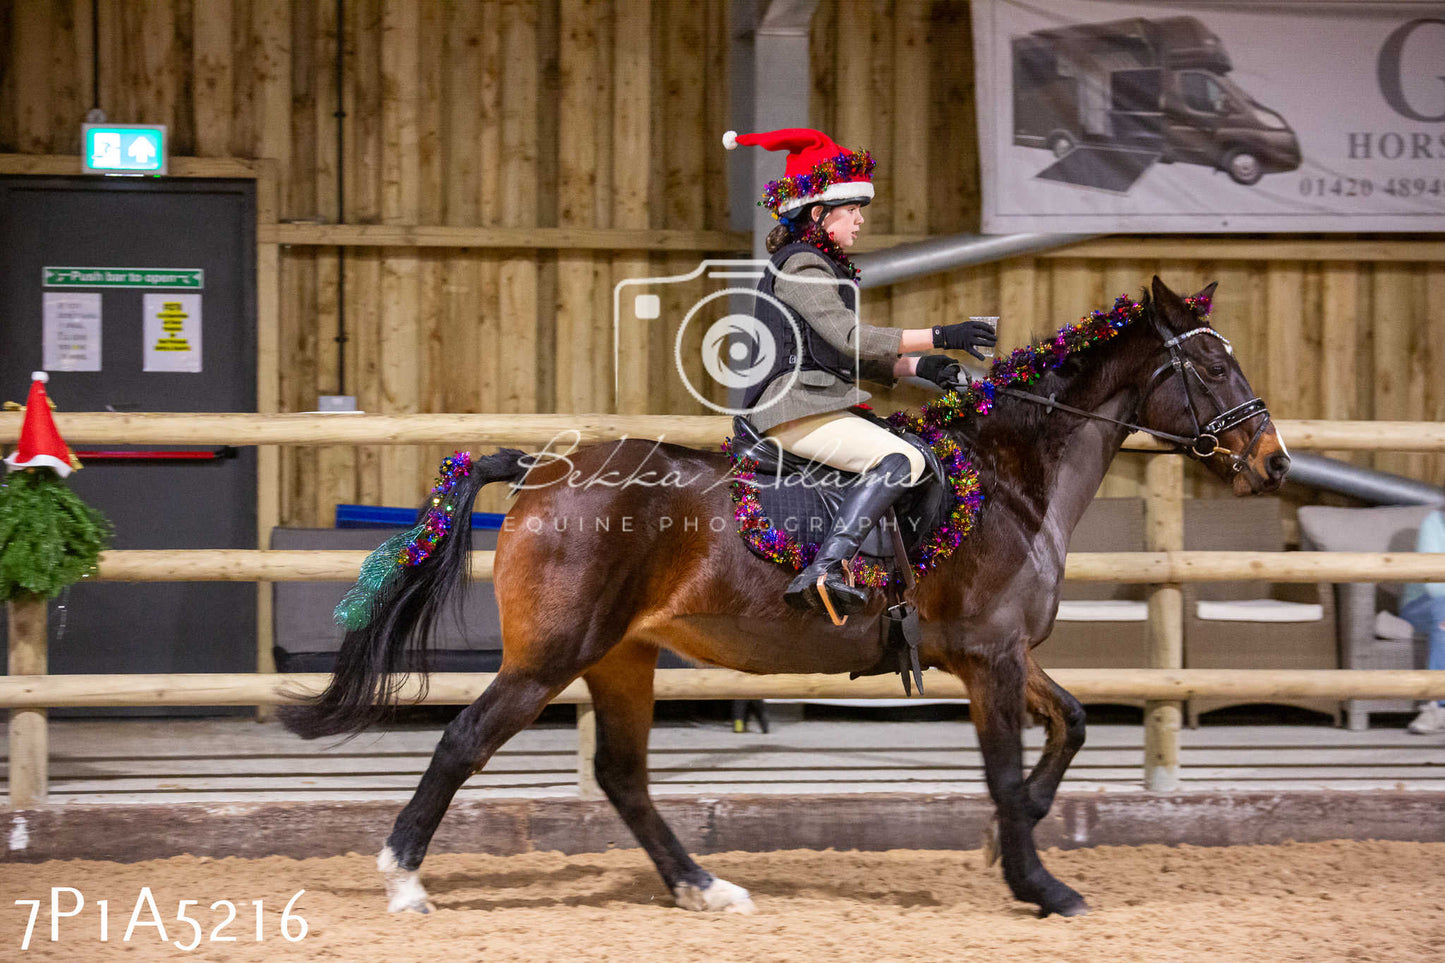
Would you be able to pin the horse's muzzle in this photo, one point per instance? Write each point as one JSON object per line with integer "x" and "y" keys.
{"x": 1262, "y": 476}
{"x": 1276, "y": 467}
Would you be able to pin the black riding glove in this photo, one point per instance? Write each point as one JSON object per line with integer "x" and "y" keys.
{"x": 940, "y": 369}
{"x": 966, "y": 335}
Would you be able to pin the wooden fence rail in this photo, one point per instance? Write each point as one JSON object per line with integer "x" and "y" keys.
{"x": 460, "y": 688}
{"x": 243, "y": 565}
{"x": 707, "y": 431}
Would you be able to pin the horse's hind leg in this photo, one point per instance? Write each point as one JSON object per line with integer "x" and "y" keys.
{"x": 511, "y": 703}
{"x": 996, "y": 685}
{"x": 621, "y": 686}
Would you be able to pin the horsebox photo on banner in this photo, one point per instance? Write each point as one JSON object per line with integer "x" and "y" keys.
{"x": 1110, "y": 116}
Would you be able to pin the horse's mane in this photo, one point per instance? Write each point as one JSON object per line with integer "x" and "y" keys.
{"x": 1043, "y": 366}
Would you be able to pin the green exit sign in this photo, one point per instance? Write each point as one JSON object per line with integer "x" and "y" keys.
{"x": 124, "y": 148}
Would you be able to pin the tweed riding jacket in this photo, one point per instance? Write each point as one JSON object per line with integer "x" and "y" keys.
{"x": 821, "y": 307}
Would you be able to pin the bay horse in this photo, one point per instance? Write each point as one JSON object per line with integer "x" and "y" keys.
{"x": 600, "y": 600}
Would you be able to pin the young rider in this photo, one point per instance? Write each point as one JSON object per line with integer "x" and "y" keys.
{"x": 804, "y": 401}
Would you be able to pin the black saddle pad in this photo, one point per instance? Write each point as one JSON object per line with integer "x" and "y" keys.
{"x": 801, "y": 497}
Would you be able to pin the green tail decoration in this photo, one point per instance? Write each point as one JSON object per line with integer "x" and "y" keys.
{"x": 358, "y": 606}
{"x": 49, "y": 538}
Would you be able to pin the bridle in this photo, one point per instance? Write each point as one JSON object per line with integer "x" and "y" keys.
{"x": 1205, "y": 442}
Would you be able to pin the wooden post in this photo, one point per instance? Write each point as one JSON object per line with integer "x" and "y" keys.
{"x": 268, "y": 402}
{"x": 1164, "y": 532}
{"x": 29, "y": 749}
{"x": 587, "y": 787}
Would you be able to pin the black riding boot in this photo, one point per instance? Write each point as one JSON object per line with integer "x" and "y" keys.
{"x": 868, "y": 501}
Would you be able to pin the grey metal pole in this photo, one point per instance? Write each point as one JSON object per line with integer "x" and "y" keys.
{"x": 1376, "y": 487}
{"x": 882, "y": 268}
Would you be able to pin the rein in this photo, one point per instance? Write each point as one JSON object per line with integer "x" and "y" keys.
{"x": 1205, "y": 443}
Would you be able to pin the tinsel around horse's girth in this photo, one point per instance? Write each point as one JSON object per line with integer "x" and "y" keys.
{"x": 403, "y": 550}
{"x": 780, "y": 546}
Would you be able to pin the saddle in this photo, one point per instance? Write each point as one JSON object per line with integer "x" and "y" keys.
{"x": 801, "y": 497}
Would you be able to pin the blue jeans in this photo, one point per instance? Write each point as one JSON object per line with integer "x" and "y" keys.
{"x": 1425, "y": 614}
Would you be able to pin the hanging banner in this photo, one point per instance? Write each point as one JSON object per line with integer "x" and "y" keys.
{"x": 172, "y": 331}
{"x": 71, "y": 331}
{"x": 1108, "y": 116}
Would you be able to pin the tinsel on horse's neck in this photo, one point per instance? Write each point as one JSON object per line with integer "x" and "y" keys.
{"x": 1025, "y": 443}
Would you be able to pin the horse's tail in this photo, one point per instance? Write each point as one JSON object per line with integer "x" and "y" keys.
{"x": 392, "y": 611}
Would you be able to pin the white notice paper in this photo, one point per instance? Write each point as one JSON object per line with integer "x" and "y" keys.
{"x": 172, "y": 332}
{"x": 71, "y": 331}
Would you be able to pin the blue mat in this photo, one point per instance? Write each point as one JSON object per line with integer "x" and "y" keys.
{"x": 375, "y": 516}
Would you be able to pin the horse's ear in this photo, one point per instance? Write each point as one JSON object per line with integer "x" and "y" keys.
{"x": 1208, "y": 293}
{"x": 1167, "y": 301}
{"x": 1162, "y": 294}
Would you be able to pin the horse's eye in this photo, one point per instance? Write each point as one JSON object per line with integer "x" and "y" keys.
{"x": 1216, "y": 369}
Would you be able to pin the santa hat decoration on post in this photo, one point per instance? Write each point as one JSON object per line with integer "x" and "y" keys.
{"x": 49, "y": 537}
{"x": 40, "y": 443}
{"x": 818, "y": 171}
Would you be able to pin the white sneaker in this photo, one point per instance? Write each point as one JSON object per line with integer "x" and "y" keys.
{"x": 1431, "y": 719}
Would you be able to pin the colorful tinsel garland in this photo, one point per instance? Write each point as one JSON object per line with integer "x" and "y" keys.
{"x": 1028, "y": 364}
{"x": 780, "y": 546}
{"x": 848, "y": 166}
{"x": 962, "y": 480}
{"x": 438, "y": 521}
{"x": 405, "y": 549}
{"x": 823, "y": 241}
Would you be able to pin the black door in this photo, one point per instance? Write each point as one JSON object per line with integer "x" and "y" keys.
{"x": 155, "y": 223}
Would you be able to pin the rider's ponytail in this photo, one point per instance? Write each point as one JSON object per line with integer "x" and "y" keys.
{"x": 778, "y": 238}
{"x": 792, "y": 229}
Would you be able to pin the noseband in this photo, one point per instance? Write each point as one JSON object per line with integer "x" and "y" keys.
{"x": 1205, "y": 442}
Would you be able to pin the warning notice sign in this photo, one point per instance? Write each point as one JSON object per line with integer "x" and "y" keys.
{"x": 172, "y": 332}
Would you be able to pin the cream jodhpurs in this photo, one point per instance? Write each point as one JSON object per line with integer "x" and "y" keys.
{"x": 843, "y": 440}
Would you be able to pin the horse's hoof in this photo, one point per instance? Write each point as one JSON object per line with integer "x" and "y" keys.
{"x": 1074, "y": 907}
{"x": 719, "y": 896}
{"x": 990, "y": 842}
{"x": 404, "y": 891}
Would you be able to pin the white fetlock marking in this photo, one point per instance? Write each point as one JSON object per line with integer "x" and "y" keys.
{"x": 719, "y": 897}
{"x": 404, "y": 892}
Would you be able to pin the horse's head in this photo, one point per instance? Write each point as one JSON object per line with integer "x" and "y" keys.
{"x": 1197, "y": 391}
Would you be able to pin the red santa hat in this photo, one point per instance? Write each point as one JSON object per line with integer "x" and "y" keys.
{"x": 40, "y": 443}
{"x": 818, "y": 170}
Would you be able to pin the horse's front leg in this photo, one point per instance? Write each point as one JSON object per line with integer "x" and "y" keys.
{"x": 996, "y": 683}
{"x": 1063, "y": 719}
{"x": 1064, "y": 722}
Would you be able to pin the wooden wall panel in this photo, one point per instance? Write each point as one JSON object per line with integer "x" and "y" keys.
{"x": 577, "y": 205}
{"x": 29, "y": 57}
{"x": 212, "y": 80}
{"x": 631, "y": 140}
{"x": 606, "y": 114}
